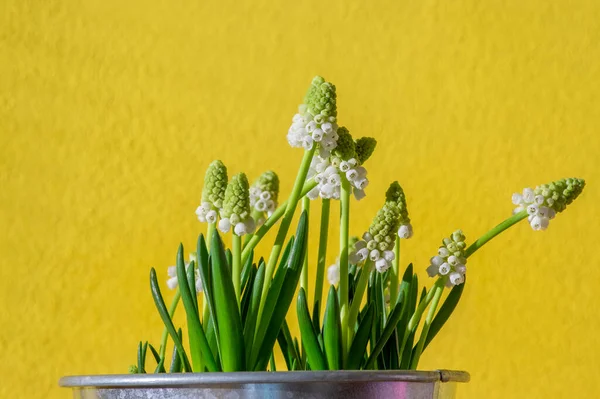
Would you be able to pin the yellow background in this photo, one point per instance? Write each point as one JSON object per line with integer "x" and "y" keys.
{"x": 110, "y": 111}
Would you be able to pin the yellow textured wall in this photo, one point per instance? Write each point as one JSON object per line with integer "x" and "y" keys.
{"x": 110, "y": 111}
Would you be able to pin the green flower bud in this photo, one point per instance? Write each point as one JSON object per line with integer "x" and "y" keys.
{"x": 364, "y": 148}
{"x": 321, "y": 98}
{"x": 133, "y": 369}
{"x": 561, "y": 192}
{"x": 345, "y": 145}
{"x": 384, "y": 226}
{"x": 215, "y": 183}
{"x": 237, "y": 198}
{"x": 395, "y": 194}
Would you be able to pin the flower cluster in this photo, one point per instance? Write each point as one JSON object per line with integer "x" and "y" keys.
{"x": 377, "y": 242}
{"x": 263, "y": 196}
{"x": 315, "y": 122}
{"x": 213, "y": 193}
{"x": 395, "y": 194}
{"x": 546, "y": 200}
{"x": 172, "y": 282}
{"x": 345, "y": 162}
{"x": 236, "y": 207}
{"x": 450, "y": 261}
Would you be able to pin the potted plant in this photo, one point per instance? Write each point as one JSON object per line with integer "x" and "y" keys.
{"x": 377, "y": 318}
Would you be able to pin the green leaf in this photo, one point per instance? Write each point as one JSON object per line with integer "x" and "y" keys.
{"x": 141, "y": 357}
{"x": 190, "y": 274}
{"x": 316, "y": 317}
{"x": 288, "y": 348}
{"x": 164, "y": 314}
{"x": 250, "y": 322}
{"x": 361, "y": 338}
{"x": 332, "y": 331}
{"x": 247, "y": 294}
{"x": 176, "y": 359}
{"x": 445, "y": 311}
{"x": 199, "y": 347}
{"x": 286, "y": 291}
{"x": 230, "y": 331}
{"x": 395, "y": 316}
{"x": 246, "y": 271}
{"x": 316, "y": 360}
{"x": 160, "y": 367}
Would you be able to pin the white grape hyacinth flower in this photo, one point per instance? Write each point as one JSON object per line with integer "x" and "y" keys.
{"x": 539, "y": 208}
{"x": 173, "y": 282}
{"x": 333, "y": 273}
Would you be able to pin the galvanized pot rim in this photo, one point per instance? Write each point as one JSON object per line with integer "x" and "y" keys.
{"x": 261, "y": 377}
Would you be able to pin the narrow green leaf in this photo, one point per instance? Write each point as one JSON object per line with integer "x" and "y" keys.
{"x": 230, "y": 331}
{"x": 315, "y": 357}
{"x": 154, "y": 353}
{"x": 199, "y": 347}
{"x": 286, "y": 292}
{"x": 272, "y": 362}
{"x": 445, "y": 311}
{"x": 361, "y": 338}
{"x": 176, "y": 359}
{"x": 247, "y": 294}
{"x": 190, "y": 274}
{"x": 142, "y": 357}
{"x": 395, "y": 316}
{"x": 316, "y": 317}
{"x": 332, "y": 331}
{"x": 246, "y": 270}
{"x": 164, "y": 314}
{"x": 250, "y": 322}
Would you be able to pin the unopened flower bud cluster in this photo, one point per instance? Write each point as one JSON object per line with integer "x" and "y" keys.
{"x": 546, "y": 200}
{"x": 395, "y": 194}
{"x": 213, "y": 193}
{"x": 236, "y": 207}
{"x": 450, "y": 262}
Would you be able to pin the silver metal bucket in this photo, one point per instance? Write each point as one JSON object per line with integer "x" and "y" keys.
{"x": 439, "y": 384}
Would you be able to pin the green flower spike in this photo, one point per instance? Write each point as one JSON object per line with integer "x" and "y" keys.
{"x": 450, "y": 261}
{"x": 213, "y": 193}
{"x": 395, "y": 194}
{"x": 378, "y": 242}
{"x": 315, "y": 122}
{"x": 543, "y": 203}
{"x": 321, "y": 98}
{"x": 264, "y": 193}
{"x": 364, "y": 148}
{"x": 236, "y": 207}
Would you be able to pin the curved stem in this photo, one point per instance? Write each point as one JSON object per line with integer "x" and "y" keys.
{"x": 434, "y": 303}
{"x": 343, "y": 286}
{"x": 321, "y": 258}
{"x": 290, "y": 208}
{"x": 514, "y": 219}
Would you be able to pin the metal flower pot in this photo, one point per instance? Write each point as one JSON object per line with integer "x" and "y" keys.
{"x": 439, "y": 384}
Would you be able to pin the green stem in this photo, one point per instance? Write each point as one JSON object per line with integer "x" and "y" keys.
{"x": 514, "y": 219}
{"x": 236, "y": 267}
{"x": 255, "y": 215}
{"x": 165, "y": 333}
{"x": 359, "y": 291}
{"x": 304, "y": 273}
{"x": 344, "y": 233}
{"x": 209, "y": 231}
{"x": 439, "y": 289}
{"x": 394, "y": 275}
{"x": 270, "y": 222}
{"x": 322, "y": 255}
{"x": 290, "y": 208}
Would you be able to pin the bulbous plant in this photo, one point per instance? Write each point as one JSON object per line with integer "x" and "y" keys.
{"x": 235, "y": 305}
